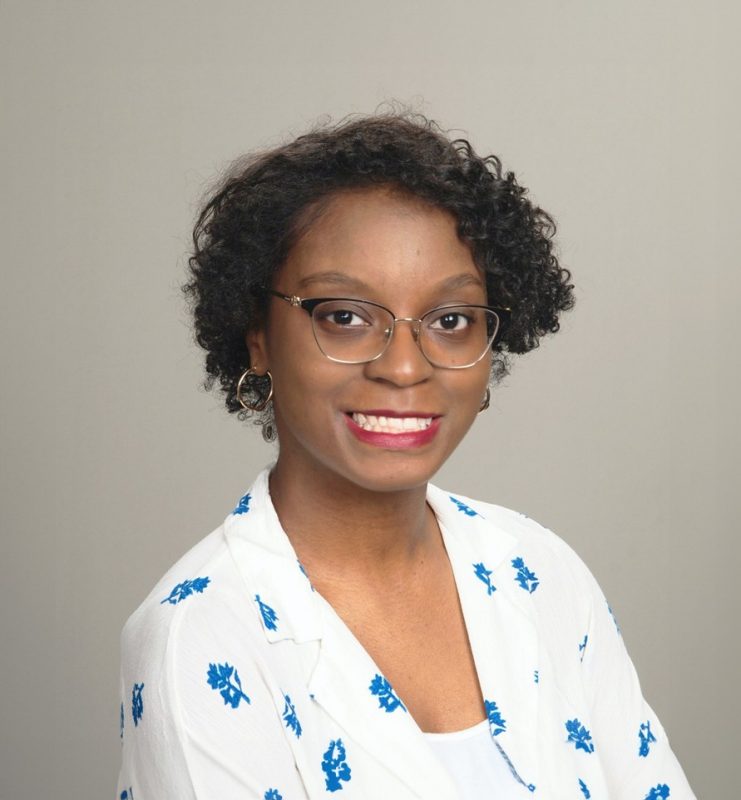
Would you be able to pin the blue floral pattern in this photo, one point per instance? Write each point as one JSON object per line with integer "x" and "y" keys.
{"x": 335, "y": 766}
{"x": 269, "y": 616}
{"x": 387, "y": 698}
{"x": 527, "y": 579}
{"x": 579, "y": 735}
{"x": 484, "y": 575}
{"x": 659, "y": 792}
{"x": 497, "y": 724}
{"x": 137, "y": 703}
{"x": 349, "y": 705}
{"x": 467, "y": 510}
{"x": 225, "y": 679}
{"x": 243, "y": 506}
{"x": 186, "y": 589}
{"x": 645, "y": 738}
{"x": 290, "y": 718}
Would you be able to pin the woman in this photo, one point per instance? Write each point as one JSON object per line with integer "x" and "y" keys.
{"x": 351, "y": 627}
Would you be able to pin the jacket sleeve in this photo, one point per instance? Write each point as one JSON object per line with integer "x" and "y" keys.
{"x": 199, "y": 723}
{"x": 629, "y": 739}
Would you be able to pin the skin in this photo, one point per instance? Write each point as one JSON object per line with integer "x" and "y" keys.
{"x": 356, "y": 513}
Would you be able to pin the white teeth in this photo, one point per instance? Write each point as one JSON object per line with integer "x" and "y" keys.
{"x": 391, "y": 424}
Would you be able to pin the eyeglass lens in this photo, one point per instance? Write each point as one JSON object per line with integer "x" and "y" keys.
{"x": 353, "y": 332}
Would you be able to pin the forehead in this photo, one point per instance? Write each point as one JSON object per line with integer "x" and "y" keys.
{"x": 383, "y": 240}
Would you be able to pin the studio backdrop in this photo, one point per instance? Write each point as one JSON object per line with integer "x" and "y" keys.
{"x": 620, "y": 433}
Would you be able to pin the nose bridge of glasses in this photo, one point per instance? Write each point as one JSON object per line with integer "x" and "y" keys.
{"x": 404, "y": 357}
{"x": 415, "y": 324}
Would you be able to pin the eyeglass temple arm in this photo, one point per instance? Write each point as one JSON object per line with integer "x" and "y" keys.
{"x": 292, "y": 299}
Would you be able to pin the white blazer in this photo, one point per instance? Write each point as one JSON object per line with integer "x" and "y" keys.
{"x": 239, "y": 681}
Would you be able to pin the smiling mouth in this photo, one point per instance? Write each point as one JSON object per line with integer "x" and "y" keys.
{"x": 387, "y": 424}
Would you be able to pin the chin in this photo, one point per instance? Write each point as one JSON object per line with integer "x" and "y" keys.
{"x": 395, "y": 473}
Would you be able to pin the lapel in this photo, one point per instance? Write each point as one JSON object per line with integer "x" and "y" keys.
{"x": 278, "y": 586}
{"x": 346, "y": 682}
{"x": 343, "y": 684}
{"x": 499, "y": 619}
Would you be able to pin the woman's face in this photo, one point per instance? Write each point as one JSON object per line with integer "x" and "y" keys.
{"x": 393, "y": 250}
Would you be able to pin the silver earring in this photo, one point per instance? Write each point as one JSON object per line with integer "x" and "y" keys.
{"x": 269, "y": 432}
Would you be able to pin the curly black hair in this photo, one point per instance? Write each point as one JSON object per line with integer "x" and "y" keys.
{"x": 268, "y": 200}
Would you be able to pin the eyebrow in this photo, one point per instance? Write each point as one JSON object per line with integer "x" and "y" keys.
{"x": 341, "y": 279}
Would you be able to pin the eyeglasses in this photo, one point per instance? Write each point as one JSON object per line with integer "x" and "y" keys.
{"x": 351, "y": 331}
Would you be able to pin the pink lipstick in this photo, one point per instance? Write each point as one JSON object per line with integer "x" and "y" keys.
{"x": 401, "y": 430}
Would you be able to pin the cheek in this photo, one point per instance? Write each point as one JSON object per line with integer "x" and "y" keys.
{"x": 472, "y": 386}
{"x": 307, "y": 385}
{"x": 291, "y": 350}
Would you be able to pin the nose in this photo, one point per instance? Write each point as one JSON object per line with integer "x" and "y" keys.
{"x": 402, "y": 362}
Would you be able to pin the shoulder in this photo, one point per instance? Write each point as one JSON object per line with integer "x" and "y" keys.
{"x": 197, "y": 602}
{"x": 526, "y": 531}
{"x": 191, "y": 576}
{"x": 549, "y": 547}
{"x": 542, "y": 575}
{"x": 540, "y": 558}
{"x": 196, "y": 624}
{"x": 193, "y": 658}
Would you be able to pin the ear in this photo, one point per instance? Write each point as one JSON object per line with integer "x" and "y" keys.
{"x": 257, "y": 348}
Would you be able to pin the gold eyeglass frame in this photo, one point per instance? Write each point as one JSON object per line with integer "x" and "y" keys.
{"x": 309, "y": 304}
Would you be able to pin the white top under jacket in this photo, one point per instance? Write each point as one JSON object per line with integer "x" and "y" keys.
{"x": 475, "y": 763}
{"x": 239, "y": 681}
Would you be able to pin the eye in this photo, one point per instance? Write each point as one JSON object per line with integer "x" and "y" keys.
{"x": 451, "y": 321}
{"x": 343, "y": 317}
{"x": 341, "y": 314}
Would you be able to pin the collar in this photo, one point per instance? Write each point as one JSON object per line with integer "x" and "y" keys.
{"x": 481, "y": 543}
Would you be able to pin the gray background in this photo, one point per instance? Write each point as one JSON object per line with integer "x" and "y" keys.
{"x": 620, "y": 433}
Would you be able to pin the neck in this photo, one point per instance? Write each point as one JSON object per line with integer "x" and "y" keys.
{"x": 342, "y": 532}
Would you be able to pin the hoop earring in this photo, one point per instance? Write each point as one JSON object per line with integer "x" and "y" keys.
{"x": 485, "y": 404}
{"x": 240, "y": 384}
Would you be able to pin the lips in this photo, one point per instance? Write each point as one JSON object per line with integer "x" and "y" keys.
{"x": 394, "y": 430}
{"x": 383, "y": 424}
